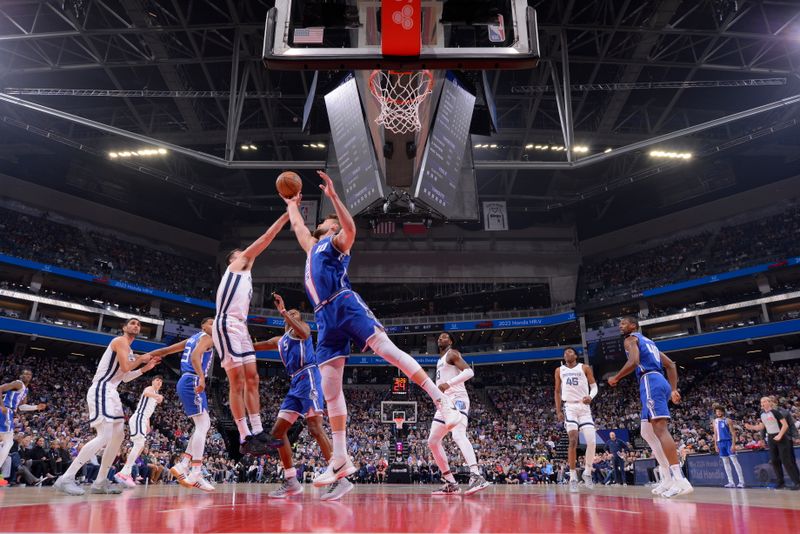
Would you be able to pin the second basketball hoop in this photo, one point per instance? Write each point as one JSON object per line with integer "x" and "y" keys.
{"x": 400, "y": 93}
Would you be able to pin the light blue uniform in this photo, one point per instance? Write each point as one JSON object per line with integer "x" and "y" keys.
{"x": 193, "y": 403}
{"x": 340, "y": 313}
{"x": 11, "y": 400}
{"x": 305, "y": 391}
{"x": 724, "y": 438}
{"x": 654, "y": 390}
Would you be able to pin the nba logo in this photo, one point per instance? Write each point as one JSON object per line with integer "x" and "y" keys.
{"x": 497, "y": 32}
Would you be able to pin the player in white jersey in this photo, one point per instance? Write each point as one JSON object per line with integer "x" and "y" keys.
{"x": 117, "y": 364}
{"x": 234, "y": 345}
{"x": 140, "y": 426}
{"x": 451, "y": 374}
{"x": 12, "y": 395}
{"x": 575, "y": 388}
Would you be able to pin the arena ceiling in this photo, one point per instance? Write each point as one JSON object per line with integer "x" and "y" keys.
{"x": 637, "y": 69}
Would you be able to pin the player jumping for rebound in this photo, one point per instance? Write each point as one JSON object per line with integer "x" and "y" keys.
{"x": 725, "y": 443}
{"x": 342, "y": 316}
{"x": 576, "y": 387}
{"x": 304, "y": 399}
{"x": 451, "y": 374}
{"x": 195, "y": 366}
{"x": 140, "y": 427}
{"x": 11, "y": 397}
{"x": 234, "y": 345}
{"x": 655, "y": 393}
{"x": 117, "y": 364}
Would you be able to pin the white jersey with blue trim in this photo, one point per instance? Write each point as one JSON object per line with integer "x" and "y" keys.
{"x": 146, "y": 406}
{"x": 108, "y": 370}
{"x": 186, "y": 356}
{"x": 234, "y": 294}
{"x": 574, "y": 384}
{"x": 326, "y": 272}
{"x": 447, "y": 371}
{"x": 649, "y": 355}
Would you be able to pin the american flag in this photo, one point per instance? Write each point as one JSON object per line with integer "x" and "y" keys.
{"x": 384, "y": 228}
{"x": 308, "y": 35}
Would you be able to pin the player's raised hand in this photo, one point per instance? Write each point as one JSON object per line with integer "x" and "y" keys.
{"x": 278, "y": 300}
{"x": 295, "y": 200}
{"x": 327, "y": 186}
{"x": 676, "y": 397}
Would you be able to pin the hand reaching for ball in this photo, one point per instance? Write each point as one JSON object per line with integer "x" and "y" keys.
{"x": 327, "y": 186}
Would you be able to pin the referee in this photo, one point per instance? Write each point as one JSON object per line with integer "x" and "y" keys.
{"x": 780, "y": 445}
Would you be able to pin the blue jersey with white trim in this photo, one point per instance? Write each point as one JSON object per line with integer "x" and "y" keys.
{"x": 296, "y": 353}
{"x": 723, "y": 432}
{"x": 326, "y": 271}
{"x": 13, "y": 398}
{"x": 649, "y": 355}
{"x": 186, "y": 357}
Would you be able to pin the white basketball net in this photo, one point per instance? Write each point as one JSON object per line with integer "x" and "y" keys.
{"x": 400, "y": 95}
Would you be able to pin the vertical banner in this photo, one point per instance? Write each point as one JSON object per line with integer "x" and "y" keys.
{"x": 495, "y": 216}
{"x": 308, "y": 209}
{"x": 401, "y": 26}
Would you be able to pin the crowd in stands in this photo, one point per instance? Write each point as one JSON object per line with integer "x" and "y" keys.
{"x": 40, "y": 238}
{"x": 512, "y": 422}
{"x": 769, "y": 239}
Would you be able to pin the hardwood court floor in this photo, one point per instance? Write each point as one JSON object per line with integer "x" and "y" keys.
{"x": 399, "y": 508}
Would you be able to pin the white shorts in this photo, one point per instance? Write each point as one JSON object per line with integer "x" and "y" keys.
{"x": 577, "y": 415}
{"x": 232, "y": 342}
{"x": 139, "y": 425}
{"x": 104, "y": 404}
{"x": 462, "y": 405}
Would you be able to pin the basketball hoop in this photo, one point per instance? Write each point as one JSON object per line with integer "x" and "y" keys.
{"x": 400, "y": 94}
{"x": 398, "y": 422}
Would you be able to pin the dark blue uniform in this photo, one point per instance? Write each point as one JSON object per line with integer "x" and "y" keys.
{"x": 654, "y": 390}
{"x": 193, "y": 403}
{"x": 340, "y": 313}
{"x": 305, "y": 391}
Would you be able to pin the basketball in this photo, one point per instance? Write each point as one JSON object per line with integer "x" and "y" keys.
{"x": 288, "y": 184}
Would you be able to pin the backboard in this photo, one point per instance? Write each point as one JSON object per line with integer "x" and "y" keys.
{"x": 390, "y": 409}
{"x": 400, "y": 34}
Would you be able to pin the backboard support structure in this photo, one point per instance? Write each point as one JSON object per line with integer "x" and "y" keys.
{"x": 452, "y": 34}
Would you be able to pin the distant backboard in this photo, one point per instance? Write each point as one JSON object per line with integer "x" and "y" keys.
{"x": 400, "y": 34}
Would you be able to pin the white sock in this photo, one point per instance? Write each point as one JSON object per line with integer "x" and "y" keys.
{"x": 738, "y": 468}
{"x": 184, "y": 461}
{"x": 290, "y": 473}
{"x": 666, "y": 476}
{"x": 255, "y": 423}
{"x": 573, "y": 474}
{"x": 676, "y": 472}
{"x": 244, "y": 430}
{"x": 339, "y": 444}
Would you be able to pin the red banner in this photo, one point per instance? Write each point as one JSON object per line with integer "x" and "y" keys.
{"x": 401, "y": 27}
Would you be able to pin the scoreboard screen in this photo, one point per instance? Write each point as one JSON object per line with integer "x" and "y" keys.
{"x": 400, "y": 385}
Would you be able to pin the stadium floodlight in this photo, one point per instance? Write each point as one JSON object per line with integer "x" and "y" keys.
{"x": 606, "y": 151}
{"x": 580, "y": 149}
{"x": 142, "y": 152}
{"x": 493, "y": 145}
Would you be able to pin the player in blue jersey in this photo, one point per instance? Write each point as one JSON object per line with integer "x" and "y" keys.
{"x": 342, "y": 318}
{"x": 725, "y": 443}
{"x": 304, "y": 399}
{"x": 11, "y": 396}
{"x": 195, "y": 365}
{"x": 655, "y": 393}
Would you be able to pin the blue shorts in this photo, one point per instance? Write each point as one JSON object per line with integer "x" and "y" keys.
{"x": 343, "y": 319}
{"x": 7, "y": 421}
{"x": 654, "y": 391}
{"x": 193, "y": 403}
{"x": 724, "y": 447}
{"x": 305, "y": 393}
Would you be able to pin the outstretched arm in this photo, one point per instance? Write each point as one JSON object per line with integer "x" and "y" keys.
{"x": 346, "y": 237}
{"x": 259, "y": 245}
{"x": 299, "y": 227}
{"x": 632, "y": 348}
{"x": 270, "y": 344}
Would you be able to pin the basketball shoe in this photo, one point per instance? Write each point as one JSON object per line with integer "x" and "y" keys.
{"x": 334, "y": 473}
{"x": 290, "y": 486}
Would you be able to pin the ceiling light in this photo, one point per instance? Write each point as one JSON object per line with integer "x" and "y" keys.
{"x": 492, "y": 146}
{"x": 473, "y": 146}
{"x": 142, "y": 152}
{"x": 580, "y": 149}
{"x": 36, "y": 348}
{"x": 708, "y": 356}
{"x": 253, "y": 147}
{"x": 77, "y": 354}
{"x": 754, "y": 351}
{"x": 669, "y": 154}
{"x": 112, "y": 155}
{"x": 606, "y": 151}
{"x": 528, "y": 147}
{"x": 245, "y": 147}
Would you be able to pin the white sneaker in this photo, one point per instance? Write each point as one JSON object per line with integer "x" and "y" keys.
{"x": 661, "y": 487}
{"x": 587, "y": 480}
{"x": 104, "y": 487}
{"x": 290, "y": 486}
{"x": 126, "y": 481}
{"x": 740, "y": 485}
{"x": 333, "y": 473}
{"x": 729, "y": 485}
{"x": 678, "y": 488}
{"x": 197, "y": 481}
{"x": 573, "y": 485}
{"x": 180, "y": 472}
{"x": 68, "y": 486}
{"x": 452, "y": 417}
